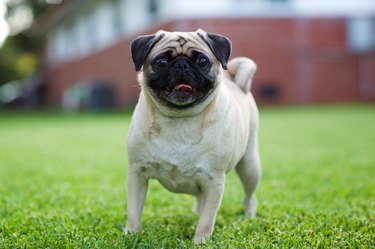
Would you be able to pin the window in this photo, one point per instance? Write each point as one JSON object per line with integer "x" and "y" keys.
{"x": 91, "y": 35}
{"x": 153, "y": 7}
{"x": 70, "y": 41}
{"x": 361, "y": 35}
{"x": 117, "y": 18}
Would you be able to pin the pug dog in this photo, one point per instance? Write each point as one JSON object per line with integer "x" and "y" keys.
{"x": 195, "y": 121}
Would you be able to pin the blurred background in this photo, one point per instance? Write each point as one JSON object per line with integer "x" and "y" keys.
{"x": 74, "y": 54}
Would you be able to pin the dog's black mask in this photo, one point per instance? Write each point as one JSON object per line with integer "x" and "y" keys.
{"x": 181, "y": 81}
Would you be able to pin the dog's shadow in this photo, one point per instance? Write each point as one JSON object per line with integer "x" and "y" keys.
{"x": 171, "y": 223}
{"x": 174, "y": 227}
{"x": 180, "y": 222}
{"x": 167, "y": 229}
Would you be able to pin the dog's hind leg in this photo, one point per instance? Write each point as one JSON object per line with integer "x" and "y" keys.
{"x": 248, "y": 169}
{"x": 249, "y": 172}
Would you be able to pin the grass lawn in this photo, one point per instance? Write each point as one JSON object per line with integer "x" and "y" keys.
{"x": 62, "y": 184}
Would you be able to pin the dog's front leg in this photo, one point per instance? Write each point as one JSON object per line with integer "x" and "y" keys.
{"x": 136, "y": 190}
{"x": 212, "y": 194}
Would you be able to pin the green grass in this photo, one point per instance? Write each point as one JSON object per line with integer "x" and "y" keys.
{"x": 62, "y": 184}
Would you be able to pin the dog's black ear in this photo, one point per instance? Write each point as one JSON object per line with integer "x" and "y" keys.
{"x": 140, "y": 47}
{"x": 220, "y": 46}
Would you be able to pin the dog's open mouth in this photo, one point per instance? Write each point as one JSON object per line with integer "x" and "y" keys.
{"x": 181, "y": 91}
{"x": 181, "y": 95}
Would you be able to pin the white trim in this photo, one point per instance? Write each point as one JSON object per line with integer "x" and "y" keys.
{"x": 171, "y": 9}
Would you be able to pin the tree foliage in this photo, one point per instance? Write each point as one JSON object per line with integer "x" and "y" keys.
{"x": 18, "y": 55}
{"x": 18, "y": 58}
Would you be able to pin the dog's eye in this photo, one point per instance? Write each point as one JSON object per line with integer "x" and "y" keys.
{"x": 161, "y": 62}
{"x": 202, "y": 61}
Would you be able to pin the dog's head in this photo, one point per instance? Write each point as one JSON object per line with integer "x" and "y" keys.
{"x": 180, "y": 69}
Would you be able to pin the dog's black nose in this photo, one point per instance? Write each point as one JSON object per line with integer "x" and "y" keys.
{"x": 181, "y": 65}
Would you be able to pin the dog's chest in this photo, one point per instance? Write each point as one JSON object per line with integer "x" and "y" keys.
{"x": 176, "y": 178}
{"x": 178, "y": 157}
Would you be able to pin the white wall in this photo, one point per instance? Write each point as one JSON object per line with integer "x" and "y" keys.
{"x": 96, "y": 27}
{"x": 136, "y": 15}
{"x": 348, "y": 8}
{"x": 171, "y": 9}
{"x": 86, "y": 30}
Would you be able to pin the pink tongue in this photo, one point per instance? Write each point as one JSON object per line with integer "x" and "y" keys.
{"x": 183, "y": 87}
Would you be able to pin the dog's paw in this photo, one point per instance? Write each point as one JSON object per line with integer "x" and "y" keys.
{"x": 203, "y": 236}
{"x": 250, "y": 207}
{"x": 201, "y": 239}
{"x": 129, "y": 230}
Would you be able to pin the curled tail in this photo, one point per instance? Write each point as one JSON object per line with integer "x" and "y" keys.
{"x": 241, "y": 70}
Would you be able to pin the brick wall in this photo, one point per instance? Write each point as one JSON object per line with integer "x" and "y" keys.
{"x": 112, "y": 65}
{"x": 300, "y": 61}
